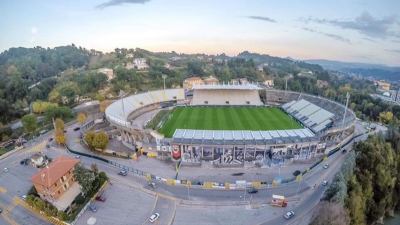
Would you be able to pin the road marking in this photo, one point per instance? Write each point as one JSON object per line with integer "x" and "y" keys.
{"x": 6, "y": 213}
{"x": 173, "y": 215}
{"x": 22, "y": 203}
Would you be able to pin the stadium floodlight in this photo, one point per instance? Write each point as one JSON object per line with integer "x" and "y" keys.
{"x": 164, "y": 77}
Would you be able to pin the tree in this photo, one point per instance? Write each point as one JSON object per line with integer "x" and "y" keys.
{"x": 85, "y": 178}
{"x": 29, "y": 123}
{"x": 59, "y": 131}
{"x": 59, "y": 124}
{"x": 100, "y": 140}
{"x": 40, "y": 107}
{"x": 81, "y": 117}
{"x": 62, "y": 112}
{"x": 89, "y": 136}
{"x": 386, "y": 117}
{"x": 328, "y": 213}
{"x": 60, "y": 137}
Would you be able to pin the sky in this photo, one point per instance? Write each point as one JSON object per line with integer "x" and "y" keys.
{"x": 346, "y": 30}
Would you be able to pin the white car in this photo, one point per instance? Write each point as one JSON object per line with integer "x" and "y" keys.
{"x": 326, "y": 166}
{"x": 5, "y": 170}
{"x": 289, "y": 215}
{"x": 154, "y": 217}
{"x": 23, "y": 197}
{"x": 324, "y": 183}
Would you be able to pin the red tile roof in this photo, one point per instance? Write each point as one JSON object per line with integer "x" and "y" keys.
{"x": 54, "y": 171}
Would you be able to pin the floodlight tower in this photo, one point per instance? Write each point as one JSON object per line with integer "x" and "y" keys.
{"x": 345, "y": 109}
{"x": 164, "y": 77}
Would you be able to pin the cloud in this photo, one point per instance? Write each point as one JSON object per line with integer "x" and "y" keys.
{"x": 393, "y": 50}
{"x": 263, "y": 18}
{"x": 119, "y": 2}
{"x": 333, "y": 36}
{"x": 365, "y": 24}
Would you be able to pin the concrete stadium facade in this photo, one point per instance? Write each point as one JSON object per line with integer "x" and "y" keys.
{"x": 230, "y": 148}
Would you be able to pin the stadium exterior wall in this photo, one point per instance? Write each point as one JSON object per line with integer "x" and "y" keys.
{"x": 239, "y": 153}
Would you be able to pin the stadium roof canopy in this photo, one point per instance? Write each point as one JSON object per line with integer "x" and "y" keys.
{"x": 228, "y": 86}
{"x": 243, "y": 136}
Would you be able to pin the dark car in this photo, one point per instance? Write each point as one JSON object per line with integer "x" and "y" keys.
{"x": 296, "y": 173}
{"x": 100, "y": 198}
{"x": 24, "y": 162}
{"x": 1, "y": 210}
{"x": 77, "y": 128}
{"x": 344, "y": 151}
{"x": 50, "y": 139}
{"x": 123, "y": 173}
{"x": 252, "y": 191}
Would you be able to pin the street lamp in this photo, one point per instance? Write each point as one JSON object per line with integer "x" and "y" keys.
{"x": 164, "y": 77}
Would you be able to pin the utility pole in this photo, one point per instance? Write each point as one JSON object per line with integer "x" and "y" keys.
{"x": 164, "y": 77}
{"x": 345, "y": 109}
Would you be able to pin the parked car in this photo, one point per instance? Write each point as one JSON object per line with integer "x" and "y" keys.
{"x": 77, "y": 128}
{"x": 5, "y": 169}
{"x": 23, "y": 197}
{"x": 324, "y": 183}
{"x": 344, "y": 151}
{"x": 296, "y": 173}
{"x": 92, "y": 208}
{"x": 252, "y": 190}
{"x": 100, "y": 198}
{"x": 289, "y": 215}
{"x": 24, "y": 162}
{"x": 326, "y": 166}
{"x": 154, "y": 217}
{"x": 123, "y": 172}
{"x": 1, "y": 210}
{"x": 77, "y": 157}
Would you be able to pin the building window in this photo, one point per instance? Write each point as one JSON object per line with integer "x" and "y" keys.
{"x": 227, "y": 102}
{"x": 59, "y": 192}
{"x": 175, "y": 97}
{"x": 206, "y": 102}
{"x": 248, "y": 102}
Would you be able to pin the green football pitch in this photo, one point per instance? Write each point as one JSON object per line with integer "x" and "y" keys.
{"x": 227, "y": 118}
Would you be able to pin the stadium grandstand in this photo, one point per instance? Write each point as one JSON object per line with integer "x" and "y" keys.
{"x": 226, "y": 94}
{"x": 229, "y": 125}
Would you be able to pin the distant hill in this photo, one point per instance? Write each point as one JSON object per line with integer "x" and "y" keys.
{"x": 377, "y": 71}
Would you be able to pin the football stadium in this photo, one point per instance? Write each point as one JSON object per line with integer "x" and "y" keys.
{"x": 230, "y": 124}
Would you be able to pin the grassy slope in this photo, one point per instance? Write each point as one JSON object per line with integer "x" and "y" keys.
{"x": 227, "y": 118}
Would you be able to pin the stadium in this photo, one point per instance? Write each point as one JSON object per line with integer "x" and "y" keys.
{"x": 230, "y": 124}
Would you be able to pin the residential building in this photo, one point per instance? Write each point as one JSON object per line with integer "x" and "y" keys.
{"x": 243, "y": 81}
{"x": 383, "y": 85}
{"x": 269, "y": 83}
{"x": 140, "y": 63}
{"x": 210, "y": 80}
{"x": 56, "y": 183}
{"x": 108, "y": 72}
{"x": 189, "y": 82}
{"x": 322, "y": 84}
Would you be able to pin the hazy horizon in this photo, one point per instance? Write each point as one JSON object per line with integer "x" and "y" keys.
{"x": 348, "y": 31}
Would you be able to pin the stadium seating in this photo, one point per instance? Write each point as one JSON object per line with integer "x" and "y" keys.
{"x": 225, "y": 97}
{"x": 311, "y": 115}
{"x": 119, "y": 111}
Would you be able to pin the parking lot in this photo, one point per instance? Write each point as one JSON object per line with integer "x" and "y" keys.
{"x": 15, "y": 181}
{"x": 123, "y": 205}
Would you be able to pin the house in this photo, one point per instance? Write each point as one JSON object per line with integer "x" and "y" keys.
{"x": 243, "y": 81}
{"x": 269, "y": 83}
{"x": 140, "y": 63}
{"x": 260, "y": 67}
{"x": 189, "y": 82}
{"x": 108, "y": 72}
{"x": 210, "y": 80}
{"x": 56, "y": 183}
{"x": 383, "y": 85}
{"x": 322, "y": 84}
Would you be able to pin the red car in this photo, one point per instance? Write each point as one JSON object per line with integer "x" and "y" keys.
{"x": 100, "y": 198}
